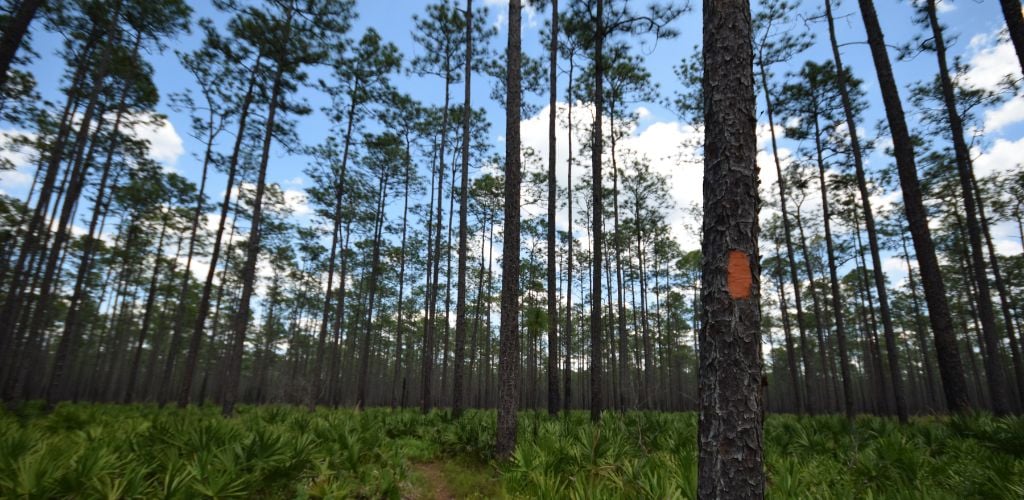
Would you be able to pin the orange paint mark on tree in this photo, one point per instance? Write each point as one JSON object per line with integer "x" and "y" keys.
{"x": 738, "y": 277}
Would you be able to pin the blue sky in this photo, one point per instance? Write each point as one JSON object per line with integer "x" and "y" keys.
{"x": 658, "y": 133}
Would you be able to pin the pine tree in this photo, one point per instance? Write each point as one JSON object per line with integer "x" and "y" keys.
{"x": 730, "y": 434}
{"x": 953, "y": 381}
{"x": 508, "y": 370}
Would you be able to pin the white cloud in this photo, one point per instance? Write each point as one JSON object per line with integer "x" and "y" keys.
{"x": 165, "y": 145}
{"x": 1003, "y": 155}
{"x": 670, "y": 147}
{"x": 989, "y": 56}
{"x": 1009, "y": 113}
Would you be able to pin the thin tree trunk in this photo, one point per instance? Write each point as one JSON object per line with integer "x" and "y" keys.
{"x": 460, "y": 301}
{"x": 364, "y": 361}
{"x": 192, "y": 358}
{"x": 553, "y": 397}
{"x": 919, "y": 326}
{"x": 1005, "y": 300}
{"x": 567, "y": 403}
{"x": 400, "y": 322}
{"x": 953, "y": 381}
{"x": 240, "y": 322}
{"x": 837, "y": 299}
{"x": 147, "y": 316}
{"x": 596, "y": 361}
{"x": 994, "y": 368}
{"x": 794, "y": 372}
{"x": 426, "y": 401}
{"x": 803, "y": 403}
{"x": 507, "y": 363}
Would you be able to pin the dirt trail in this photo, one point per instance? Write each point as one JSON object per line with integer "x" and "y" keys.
{"x": 437, "y": 485}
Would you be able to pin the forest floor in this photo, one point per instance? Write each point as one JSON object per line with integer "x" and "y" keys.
{"x": 141, "y": 451}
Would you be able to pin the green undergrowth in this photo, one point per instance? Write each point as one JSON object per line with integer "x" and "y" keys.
{"x": 113, "y": 451}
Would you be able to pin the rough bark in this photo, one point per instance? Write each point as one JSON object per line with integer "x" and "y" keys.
{"x": 730, "y": 463}
{"x": 508, "y": 361}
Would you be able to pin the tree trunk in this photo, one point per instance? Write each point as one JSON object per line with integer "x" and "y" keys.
{"x": 364, "y": 361}
{"x": 553, "y": 397}
{"x": 1005, "y": 300}
{"x": 508, "y": 361}
{"x": 596, "y": 361}
{"x": 1015, "y": 25}
{"x": 400, "y": 323}
{"x": 994, "y": 368}
{"x": 953, "y": 382}
{"x": 426, "y": 401}
{"x": 794, "y": 372}
{"x": 460, "y": 300}
{"x": 240, "y": 322}
{"x": 802, "y": 402}
{"x": 837, "y": 298}
{"x": 14, "y": 33}
{"x": 920, "y": 328}
{"x": 730, "y": 463}
{"x": 821, "y": 386}
{"x": 315, "y": 390}
{"x": 147, "y": 315}
{"x": 567, "y": 402}
{"x": 192, "y": 358}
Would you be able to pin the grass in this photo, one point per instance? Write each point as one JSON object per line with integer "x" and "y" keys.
{"x": 111, "y": 451}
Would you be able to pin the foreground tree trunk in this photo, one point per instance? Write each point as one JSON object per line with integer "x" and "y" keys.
{"x": 953, "y": 382}
{"x": 508, "y": 362}
{"x": 596, "y": 360}
{"x": 460, "y": 300}
{"x": 730, "y": 464}
{"x": 553, "y": 399}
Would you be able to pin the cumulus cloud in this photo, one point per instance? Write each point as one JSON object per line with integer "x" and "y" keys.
{"x": 670, "y": 147}
{"x": 987, "y": 55}
{"x": 165, "y": 145}
{"x": 1009, "y": 113}
{"x": 1003, "y": 155}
